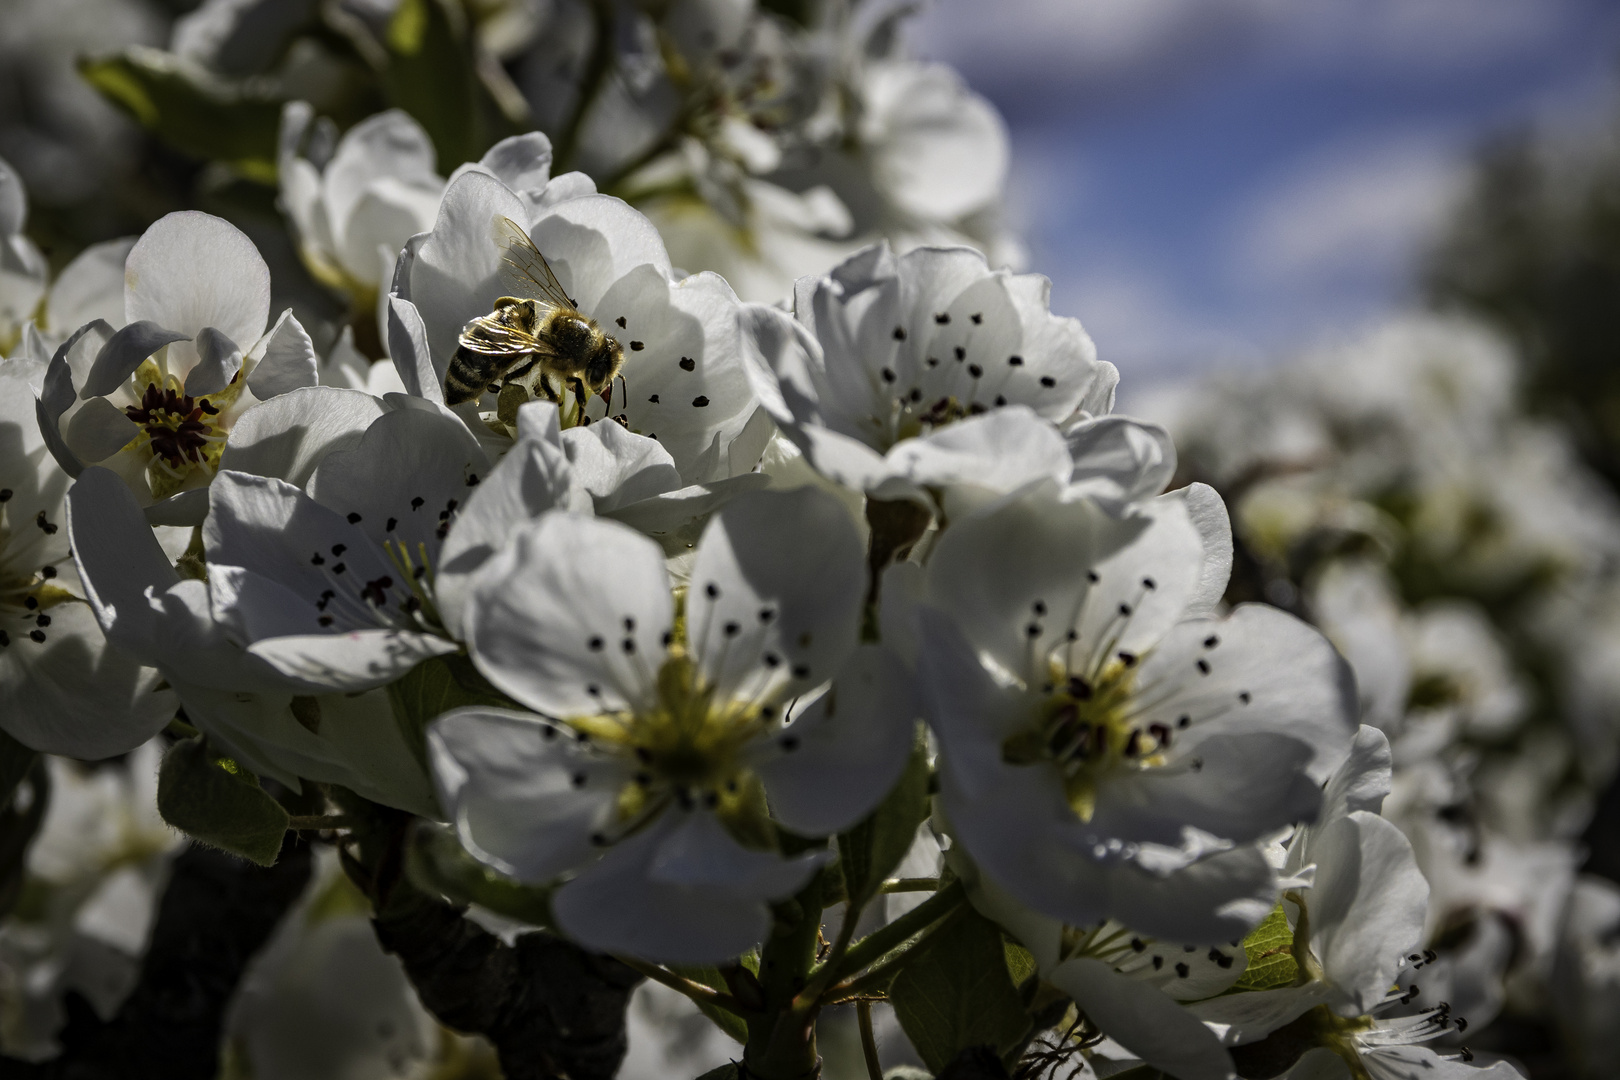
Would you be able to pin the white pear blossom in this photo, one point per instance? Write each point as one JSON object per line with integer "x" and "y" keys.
{"x": 332, "y": 586}
{"x": 154, "y": 400}
{"x": 897, "y": 376}
{"x": 1096, "y": 719}
{"x": 1357, "y": 931}
{"x": 272, "y": 725}
{"x": 1127, "y": 984}
{"x": 97, "y": 867}
{"x": 323, "y": 1001}
{"x": 63, "y": 688}
{"x": 682, "y": 381}
{"x": 656, "y": 737}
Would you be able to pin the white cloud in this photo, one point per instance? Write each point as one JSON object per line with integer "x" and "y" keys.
{"x": 1358, "y": 211}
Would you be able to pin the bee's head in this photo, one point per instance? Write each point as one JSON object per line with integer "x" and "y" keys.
{"x": 603, "y": 364}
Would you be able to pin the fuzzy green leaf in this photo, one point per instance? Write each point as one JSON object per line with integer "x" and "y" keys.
{"x": 214, "y": 800}
{"x": 191, "y": 110}
{"x": 1271, "y": 958}
{"x": 434, "y": 687}
{"x": 870, "y": 851}
{"x": 957, "y": 993}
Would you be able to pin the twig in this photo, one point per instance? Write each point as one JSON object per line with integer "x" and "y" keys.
{"x": 704, "y": 995}
{"x": 317, "y": 822}
{"x": 863, "y": 1012}
{"x": 909, "y": 884}
{"x": 880, "y": 941}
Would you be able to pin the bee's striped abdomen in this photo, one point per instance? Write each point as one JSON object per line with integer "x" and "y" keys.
{"x": 467, "y": 376}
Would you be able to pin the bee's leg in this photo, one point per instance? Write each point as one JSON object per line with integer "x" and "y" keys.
{"x": 580, "y": 398}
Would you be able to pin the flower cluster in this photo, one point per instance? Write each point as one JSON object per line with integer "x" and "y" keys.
{"x": 677, "y": 658}
{"x": 637, "y": 523}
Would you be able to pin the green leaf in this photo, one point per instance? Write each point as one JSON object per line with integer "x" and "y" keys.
{"x": 728, "y": 1071}
{"x": 435, "y": 862}
{"x": 1271, "y": 958}
{"x": 434, "y": 687}
{"x": 871, "y": 850}
{"x": 957, "y": 993}
{"x": 724, "y": 1019}
{"x": 211, "y": 798}
{"x": 190, "y": 109}
{"x": 15, "y": 761}
{"x": 432, "y": 73}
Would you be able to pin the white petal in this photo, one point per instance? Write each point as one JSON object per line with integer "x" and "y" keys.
{"x": 1259, "y": 669}
{"x": 531, "y": 479}
{"x": 99, "y": 430}
{"x": 1144, "y": 1021}
{"x": 422, "y": 375}
{"x": 387, "y": 215}
{"x": 1146, "y": 588}
{"x": 90, "y": 287}
{"x": 1118, "y": 461}
{"x": 1207, "y": 510}
{"x": 75, "y": 695}
{"x": 616, "y": 467}
{"x": 287, "y": 436}
{"x": 13, "y": 201}
{"x": 285, "y": 359}
{"x": 776, "y": 593}
{"x": 1013, "y": 575}
{"x": 525, "y": 795}
{"x": 1246, "y": 785}
{"x": 352, "y": 661}
{"x": 458, "y": 271}
{"x": 1367, "y": 907}
{"x": 1422, "y": 1063}
{"x": 118, "y": 559}
{"x": 679, "y": 892}
{"x": 387, "y": 145}
{"x": 280, "y": 564}
{"x": 190, "y": 270}
{"x": 848, "y": 749}
{"x": 572, "y": 605}
{"x": 999, "y": 452}
{"x": 682, "y": 379}
{"x": 123, "y": 353}
{"x": 1363, "y": 781}
{"x": 404, "y": 480}
{"x": 219, "y": 363}
{"x": 594, "y": 241}
{"x": 1252, "y": 1015}
{"x": 521, "y": 162}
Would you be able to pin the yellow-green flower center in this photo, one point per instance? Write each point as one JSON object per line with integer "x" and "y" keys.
{"x": 686, "y": 747}
{"x": 1088, "y": 729}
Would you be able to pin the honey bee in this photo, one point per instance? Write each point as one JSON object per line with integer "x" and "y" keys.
{"x": 536, "y": 338}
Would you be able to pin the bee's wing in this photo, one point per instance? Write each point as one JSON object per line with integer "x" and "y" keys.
{"x": 526, "y": 272}
{"x": 488, "y": 335}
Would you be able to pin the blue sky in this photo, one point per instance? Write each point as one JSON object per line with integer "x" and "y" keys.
{"x": 1214, "y": 182}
